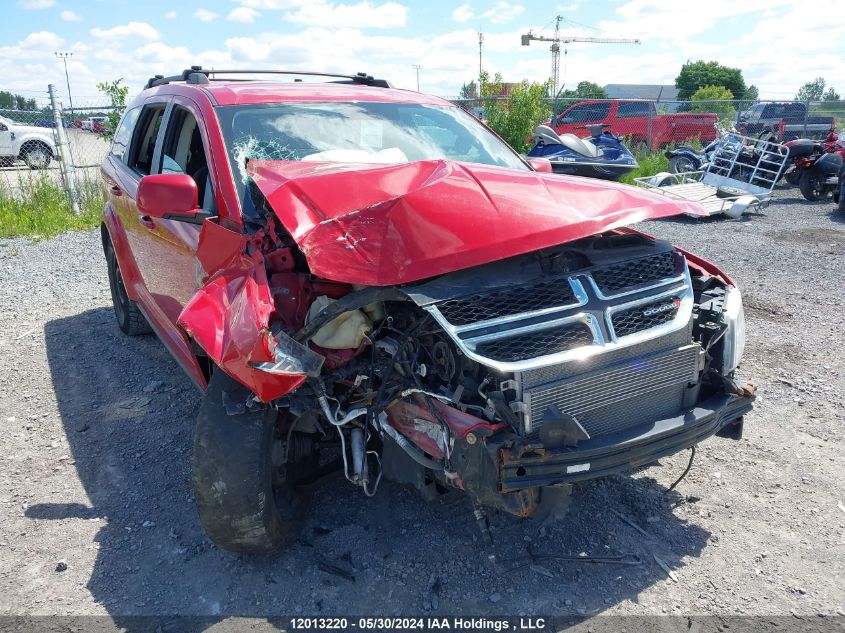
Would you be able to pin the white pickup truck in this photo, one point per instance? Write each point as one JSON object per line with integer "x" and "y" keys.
{"x": 33, "y": 145}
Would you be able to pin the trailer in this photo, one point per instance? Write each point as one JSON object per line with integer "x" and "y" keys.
{"x": 740, "y": 176}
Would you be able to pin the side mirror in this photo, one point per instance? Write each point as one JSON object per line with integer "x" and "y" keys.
{"x": 541, "y": 165}
{"x": 169, "y": 196}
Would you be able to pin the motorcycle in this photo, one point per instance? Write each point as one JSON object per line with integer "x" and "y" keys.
{"x": 686, "y": 159}
{"x": 601, "y": 155}
{"x": 814, "y": 166}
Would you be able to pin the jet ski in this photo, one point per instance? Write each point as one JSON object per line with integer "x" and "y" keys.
{"x": 600, "y": 155}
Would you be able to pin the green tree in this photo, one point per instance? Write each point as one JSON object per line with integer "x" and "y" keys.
{"x": 695, "y": 75}
{"x": 714, "y": 99}
{"x": 469, "y": 91}
{"x": 515, "y": 118}
{"x": 831, "y": 95}
{"x": 811, "y": 91}
{"x": 116, "y": 92}
{"x": 585, "y": 90}
{"x": 751, "y": 93}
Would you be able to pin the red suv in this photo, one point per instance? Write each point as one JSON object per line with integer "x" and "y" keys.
{"x": 369, "y": 279}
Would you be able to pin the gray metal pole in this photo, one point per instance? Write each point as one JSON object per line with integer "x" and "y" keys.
{"x": 65, "y": 164}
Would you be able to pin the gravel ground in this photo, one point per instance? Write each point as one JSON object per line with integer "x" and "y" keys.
{"x": 97, "y": 516}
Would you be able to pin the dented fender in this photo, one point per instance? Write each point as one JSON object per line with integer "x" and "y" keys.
{"x": 229, "y": 317}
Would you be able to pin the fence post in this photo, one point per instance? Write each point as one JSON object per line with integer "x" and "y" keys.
{"x": 649, "y": 130}
{"x": 65, "y": 164}
{"x": 806, "y": 117}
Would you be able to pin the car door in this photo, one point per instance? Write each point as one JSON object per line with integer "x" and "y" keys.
{"x": 6, "y": 147}
{"x": 166, "y": 252}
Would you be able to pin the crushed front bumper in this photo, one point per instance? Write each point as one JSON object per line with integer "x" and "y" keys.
{"x": 532, "y": 465}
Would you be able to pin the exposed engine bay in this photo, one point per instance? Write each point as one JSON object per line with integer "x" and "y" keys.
{"x": 503, "y": 379}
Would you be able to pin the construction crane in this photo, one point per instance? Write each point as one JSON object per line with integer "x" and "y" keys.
{"x": 559, "y": 39}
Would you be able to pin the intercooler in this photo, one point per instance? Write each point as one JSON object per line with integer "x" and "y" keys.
{"x": 615, "y": 397}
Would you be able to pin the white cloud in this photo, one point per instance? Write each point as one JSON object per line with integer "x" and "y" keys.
{"x": 503, "y": 12}
{"x": 170, "y": 15}
{"x": 271, "y": 5}
{"x": 41, "y": 40}
{"x": 70, "y": 16}
{"x": 462, "y": 13}
{"x": 140, "y": 30}
{"x": 363, "y": 14}
{"x": 204, "y": 15}
{"x": 36, "y": 4}
{"x": 246, "y": 15}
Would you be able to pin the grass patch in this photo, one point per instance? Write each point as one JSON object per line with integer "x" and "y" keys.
{"x": 39, "y": 207}
{"x": 650, "y": 163}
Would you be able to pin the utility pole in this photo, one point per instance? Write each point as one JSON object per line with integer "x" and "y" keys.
{"x": 417, "y": 68}
{"x": 63, "y": 57}
{"x": 480, "y": 43}
{"x": 559, "y": 39}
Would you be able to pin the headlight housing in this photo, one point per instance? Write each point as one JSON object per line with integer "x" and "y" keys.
{"x": 734, "y": 338}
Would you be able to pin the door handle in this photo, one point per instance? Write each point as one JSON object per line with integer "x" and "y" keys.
{"x": 147, "y": 221}
{"x": 115, "y": 190}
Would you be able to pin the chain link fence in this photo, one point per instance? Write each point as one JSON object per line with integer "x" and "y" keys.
{"x": 40, "y": 141}
{"x": 659, "y": 123}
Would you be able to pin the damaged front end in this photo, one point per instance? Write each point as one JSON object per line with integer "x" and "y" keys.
{"x": 389, "y": 329}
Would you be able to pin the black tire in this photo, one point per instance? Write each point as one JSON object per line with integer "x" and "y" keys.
{"x": 841, "y": 205}
{"x": 36, "y": 155}
{"x": 238, "y": 498}
{"x": 681, "y": 164}
{"x": 811, "y": 186}
{"x": 130, "y": 319}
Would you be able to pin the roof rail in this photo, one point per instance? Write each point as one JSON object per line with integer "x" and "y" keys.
{"x": 200, "y": 75}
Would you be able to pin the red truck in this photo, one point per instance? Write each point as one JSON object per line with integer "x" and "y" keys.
{"x": 638, "y": 120}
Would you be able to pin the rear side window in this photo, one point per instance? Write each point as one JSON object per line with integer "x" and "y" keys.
{"x": 123, "y": 136}
{"x": 144, "y": 139}
{"x": 631, "y": 109}
{"x": 587, "y": 112}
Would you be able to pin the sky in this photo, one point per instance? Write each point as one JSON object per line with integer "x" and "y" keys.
{"x": 778, "y": 44}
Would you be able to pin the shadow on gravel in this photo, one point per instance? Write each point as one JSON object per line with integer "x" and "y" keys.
{"x": 128, "y": 411}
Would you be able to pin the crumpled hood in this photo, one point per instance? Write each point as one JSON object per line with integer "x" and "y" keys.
{"x": 379, "y": 225}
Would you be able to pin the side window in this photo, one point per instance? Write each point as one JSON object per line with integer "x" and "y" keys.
{"x": 183, "y": 153}
{"x": 587, "y": 112}
{"x": 123, "y": 136}
{"x": 630, "y": 109}
{"x": 144, "y": 139}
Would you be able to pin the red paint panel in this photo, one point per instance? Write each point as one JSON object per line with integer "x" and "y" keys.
{"x": 380, "y": 225}
{"x": 229, "y": 316}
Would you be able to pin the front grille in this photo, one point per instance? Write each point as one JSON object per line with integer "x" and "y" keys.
{"x": 534, "y": 344}
{"x": 611, "y": 399}
{"x": 635, "y": 272}
{"x": 644, "y": 317}
{"x": 506, "y": 302}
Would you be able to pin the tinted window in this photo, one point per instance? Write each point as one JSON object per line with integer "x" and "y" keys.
{"x": 183, "y": 152}
{"x": 123, "y": 136}
{"x": 633, "y": 109}
{"x": 587, "y": 112}
{"x": 144, "y": 139}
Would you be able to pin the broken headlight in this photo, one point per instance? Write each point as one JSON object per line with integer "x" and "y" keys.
{"x": 734, "y": 338}
{"x": 291, "y": 357}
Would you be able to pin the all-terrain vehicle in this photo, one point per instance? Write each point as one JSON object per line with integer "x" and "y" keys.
{"x": 366, "y": 276}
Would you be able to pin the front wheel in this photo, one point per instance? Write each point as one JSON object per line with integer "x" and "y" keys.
{"x": 811, "y": 185}
{"x": 36, "y": 155}
{"x": 244, "y": 502}
{"x": 681, "y": 164}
